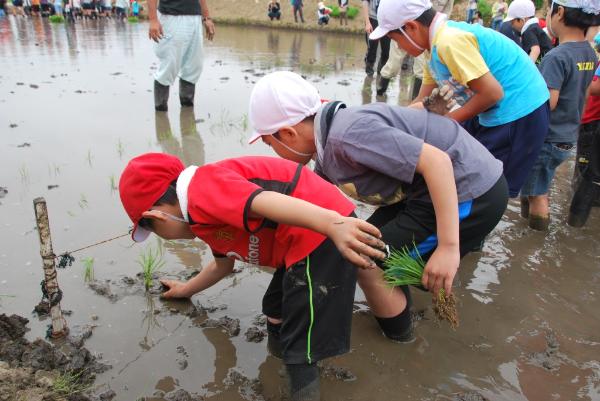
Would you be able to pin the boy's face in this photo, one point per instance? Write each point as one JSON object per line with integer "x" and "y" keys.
{"x": 418, "y": 35}
{"x": 517, "y": 24}
{"x": 555, "y": 21}
{"x": 165, "y": 226}
{"x": 299, "y": 138}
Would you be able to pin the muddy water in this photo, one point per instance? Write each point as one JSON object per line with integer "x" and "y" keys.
{"x": 76, "y": 104}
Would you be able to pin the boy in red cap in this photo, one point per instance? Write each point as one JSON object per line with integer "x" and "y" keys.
{"x": 269, "y": 212}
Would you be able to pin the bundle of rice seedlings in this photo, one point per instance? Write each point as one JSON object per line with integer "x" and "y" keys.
{"x": 405, "y": 267}
{"x": 133, "y": 19}
{"x": 56, "y": 19}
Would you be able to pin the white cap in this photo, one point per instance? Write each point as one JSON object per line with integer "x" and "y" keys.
{"x": 520, "y": 9}
{"x": 281, "y": 99}
{"x": 394, "y": 14}
{"x": 587, "y": 6}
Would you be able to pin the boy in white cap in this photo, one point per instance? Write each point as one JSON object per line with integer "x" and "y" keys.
{"x": 437, "y": 188}
{"x": 568, "y": 70}
{"x": 521, "y": 17}
{"x": 503, "y": 96}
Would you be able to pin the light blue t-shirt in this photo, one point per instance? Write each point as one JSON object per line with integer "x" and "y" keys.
{"x": 469, "y": 51}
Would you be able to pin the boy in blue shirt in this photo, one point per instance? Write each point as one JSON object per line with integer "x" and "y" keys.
{"x": 503, "y": 96}
{"x": 568, "y": 70}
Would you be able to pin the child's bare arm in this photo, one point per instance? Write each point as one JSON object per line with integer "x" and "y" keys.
{"x": 355, "y": 238}
{"x": 436, "y": 168}
{"x": 209, "y": 276}
{"x": 488, "y": 92}
{"x": 534, "y": 53}
{"x": 554, "y": 93}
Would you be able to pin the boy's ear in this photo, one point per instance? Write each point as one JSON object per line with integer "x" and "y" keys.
{"x": 412, "y": 27}
{"x": 154, "y": 215}
{"x": 287, "y": 133}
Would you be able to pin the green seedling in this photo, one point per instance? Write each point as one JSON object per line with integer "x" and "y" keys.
{"x": 24, "y": 174}
{"x": 83, "y": 203}
{"x": 56, "y": 19}
{"x": 405, "y": 267}
{"x": 113, "y": 183}
{"x": 133, "y": 19}
{"x": 88, "y": 269}
{"x": 70, "y": 383}
{"x": 151, "y": 260}
{"x": 120, "y": 148}
{"x": 89, "y": 157}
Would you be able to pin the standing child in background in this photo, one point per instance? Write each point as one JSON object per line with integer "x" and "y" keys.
{"x": 343, "y": 5}
{"x": 322, "y": 13}
{"x": 471, "y": 9}
{"x": 568, "y": 70}
{"x": 274, "y": 10}
{"x": 503, "y": 96}
{"x": 535, "y": 42}
{"x": 106, "y": 8}
{"x": 58, "y": 9}
{"x": 369, "y": 8}
{"x": 297, "y": 6}
{"x": 268, "y": 212}
{"x": 135, "y": 8}
{"x": 437, "y": 188}
{"x": 121, "y": 8}
{"x": 498, "y": 10}
{"x": 477, "y": 19}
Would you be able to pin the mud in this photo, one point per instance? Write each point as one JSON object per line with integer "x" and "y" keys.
{"x": 87, "y": 123}
{"x": 230, "y": 325}
{"x": 31, "y": 371}
{"x": 255, "y": 335}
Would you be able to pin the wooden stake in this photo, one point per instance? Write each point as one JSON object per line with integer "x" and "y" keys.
{"x": 59, "y": 325}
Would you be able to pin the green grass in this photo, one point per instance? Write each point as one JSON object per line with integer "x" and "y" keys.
{"x": 150, "y": 260}
{"x": 404, "y": 269}
{"x": 56, "y": 19}
{"x": 70, "y": 383}
{"x": 88, "y": 269}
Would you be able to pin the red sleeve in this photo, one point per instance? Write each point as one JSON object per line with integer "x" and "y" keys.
{"x": 218, "y": 195}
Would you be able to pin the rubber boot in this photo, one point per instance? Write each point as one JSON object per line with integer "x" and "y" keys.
{"x": 382, "y": 86}
{"x": 539, "y": 223}
{"x": 416, "y": 87}
{"x": 524, "y": 207}
{"x": 369, "y": 68}
{"x": 583, "y": 200}
{"x": 399, "y": 328}
{"x": 304, "y": 382}
{"x": 274, "y": 340}
{"x": 186, "y": 93}
{"x": 161, "y": 96}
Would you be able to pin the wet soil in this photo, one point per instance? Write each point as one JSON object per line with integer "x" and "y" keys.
{"x": 528, "y": 302}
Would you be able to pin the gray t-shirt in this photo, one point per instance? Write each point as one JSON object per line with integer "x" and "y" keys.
{"x": 568, "y": 68}
{"x": 371, "y": 152}
{"x": 373, "y": 6}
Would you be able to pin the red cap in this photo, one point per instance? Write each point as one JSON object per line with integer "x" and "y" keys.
{"x": 144, "y": 180}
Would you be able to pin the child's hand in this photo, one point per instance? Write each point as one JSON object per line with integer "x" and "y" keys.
{"x": 441, "y": 268}
{"x": 368, "y": 27}
{"x": 440, "y": 101}
{"x": 209, "y": 27}
{"x": 155, "y": 32}
{"x": 357, "y": 241}
{"x": 175, "y": 289}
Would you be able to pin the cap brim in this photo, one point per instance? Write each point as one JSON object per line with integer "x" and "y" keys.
{"x": 378, "y": 33}
{"x": 508, "y": 19}
{"x": 139, "y": 234}
{"x": 254, "y": 138}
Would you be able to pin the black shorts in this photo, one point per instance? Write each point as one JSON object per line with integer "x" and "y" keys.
{"x": 314, "y": 299}
{"x": 588, "y": 152}
{"x": 87, "y": 6}
{"x": 35, "y": 8}
{"x": 412, "y": 223}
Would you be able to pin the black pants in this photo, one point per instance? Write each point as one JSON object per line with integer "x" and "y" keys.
{"x": 371, "y": 55}
{"x": 413, "y": 223}
{"x": 586, "y": 177}
{"x": 314, "y": 298}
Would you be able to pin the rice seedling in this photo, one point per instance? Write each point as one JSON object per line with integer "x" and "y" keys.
{"x": 88, "y": 269}
{"x": 89, "y": 157}
{"x": 150, "y": 260}
{"x": 120, "y": 148}
{"x": 405, "y": 267}
{"x": 70, "y": 383}
{"x": 56, "y": 19}
{"x": 133, "y": 19}
{"x": 24, "y": 174}
{"x": 113, "y": 183}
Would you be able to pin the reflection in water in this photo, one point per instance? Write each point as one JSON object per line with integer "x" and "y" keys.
{"x": 191, "y": 149}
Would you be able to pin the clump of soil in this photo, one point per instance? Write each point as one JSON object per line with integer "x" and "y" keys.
{"x": 39, "y": 370}
{"x": 444, "y": 306}
{"x": 248, "y": 389}
{"x": 255, "y": 334}
{"x": 470, "y": 396}
{"x": 550, "y": 358}
{"x": 230, "y": 325}
{"x": 337, "y": 372}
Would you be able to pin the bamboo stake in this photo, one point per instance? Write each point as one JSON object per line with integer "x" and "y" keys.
{"x": 59, "y": 325}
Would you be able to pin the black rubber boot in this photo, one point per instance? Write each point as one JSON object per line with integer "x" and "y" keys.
{"x": 583, "y": 200}
{"x": 304, "y": 382}
{"x": 524, "y": 207}
{"x": 274, "y": 340}
{"x": 399, "y": 328}
{"x": 416, "y": 87}
{"x": 161, "y": 96}
{"x": 186, "y": 93}
{"x": 369, "y": 68}
{"x": 382, "y": 86}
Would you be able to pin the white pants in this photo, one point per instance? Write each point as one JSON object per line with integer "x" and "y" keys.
{"x": 180, "y": 49}
{"x": 394, "y": 63}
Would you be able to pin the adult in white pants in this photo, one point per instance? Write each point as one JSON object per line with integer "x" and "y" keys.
{"x": 176, "y": 27}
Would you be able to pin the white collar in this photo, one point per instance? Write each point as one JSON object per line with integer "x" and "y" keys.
{"x": 528, "y": 23}
{"x": 183, "y": 182}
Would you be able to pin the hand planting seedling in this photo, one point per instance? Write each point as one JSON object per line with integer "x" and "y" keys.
{"x": 151, "y": 260}
{"x": 405, "y": 267}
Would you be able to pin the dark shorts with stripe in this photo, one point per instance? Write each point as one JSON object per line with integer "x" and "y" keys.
{"x": 412, "y": 223}
{"x": 516, "y": 144}
{"x": 314, "y": 298}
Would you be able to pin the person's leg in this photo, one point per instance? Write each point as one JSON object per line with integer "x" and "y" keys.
{"x": 192, "y": 60}
{"x": 317, "y": 303}
{"x": 272, "y": 309}
{"x": 586, "y": 188}
{"x": 371, "y": 55}
{"x": 385, "y": 53}
{"x": 295, "y": 9}
{"x": 300, "y": 11}
{"x": 169, "y": 51}
{"x": 391, "y": 68}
